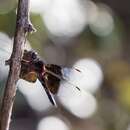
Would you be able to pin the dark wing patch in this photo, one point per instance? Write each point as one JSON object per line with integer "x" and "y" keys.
{"x": 27, "y": 73}
{"x": 30, "y": 77}
{"x": 52, "y": 81}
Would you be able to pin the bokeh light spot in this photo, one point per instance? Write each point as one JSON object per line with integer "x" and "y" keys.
{"x": 80, "y": 103}
{"x": 103, "y": 24}
{"x": 5, "y": 52}
{"x": 65, "y": 18}
{"x": 90, "y": 77}
{"x": 35, "y": 95}
{"x": 52, "y": 123}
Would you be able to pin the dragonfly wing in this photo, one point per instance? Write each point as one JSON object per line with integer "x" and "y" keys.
{"x": 59, "y": 74}
{"x": 68, "y": 73}
{"x": 71, "y": 75}
{"x": 52, "y": 81}
{"x": 74, "y": 76}
{"x": 44, "y": 84}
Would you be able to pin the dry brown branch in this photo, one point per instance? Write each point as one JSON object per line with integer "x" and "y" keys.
{"x": 23, "y": 26}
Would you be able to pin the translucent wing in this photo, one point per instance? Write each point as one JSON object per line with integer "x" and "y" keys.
{"x": 71, "y": 75}
{"x": 58, "y": 81}
{"x": 63, "y": 76}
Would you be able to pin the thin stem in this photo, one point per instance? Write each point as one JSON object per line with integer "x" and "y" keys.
{"x": 23, "y": 26}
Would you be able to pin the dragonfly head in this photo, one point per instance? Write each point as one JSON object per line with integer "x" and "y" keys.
{"x": 39, "y": 66}
{"x": 29, "y": 55}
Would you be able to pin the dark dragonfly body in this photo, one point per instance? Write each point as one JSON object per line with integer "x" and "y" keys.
{"x": 51, "y": 76}
{"x": 33, "y": 68}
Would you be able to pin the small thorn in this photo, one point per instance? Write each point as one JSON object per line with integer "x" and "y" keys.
{"x": 78, "y": 88}
{"x": 7, "y": 62}
{"x": 29, "y": 28}
{"x": 77, "y": 70}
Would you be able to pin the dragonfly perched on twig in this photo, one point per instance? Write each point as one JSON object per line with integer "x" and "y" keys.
{"x": 50, "y": 75}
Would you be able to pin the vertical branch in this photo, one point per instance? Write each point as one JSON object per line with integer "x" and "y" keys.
{"x": 23, "y": 26}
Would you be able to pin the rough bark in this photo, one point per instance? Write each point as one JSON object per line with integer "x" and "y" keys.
{"x": 23, "y": 26}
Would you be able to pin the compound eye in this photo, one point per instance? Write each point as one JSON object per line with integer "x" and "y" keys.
{"x": 34, "y": 56}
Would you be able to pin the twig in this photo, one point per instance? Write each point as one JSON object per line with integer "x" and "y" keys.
{"x": 23, "y": 26}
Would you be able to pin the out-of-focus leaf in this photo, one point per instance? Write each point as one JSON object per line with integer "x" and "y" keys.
{"x": 117, "y": 71}
{"x": 124, "y": 93}
{"x": 7, "y": 23}
{"x": 38, "y": 38}
{"x": 6, "y": 6}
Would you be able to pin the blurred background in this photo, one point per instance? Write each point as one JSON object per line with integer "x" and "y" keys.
{"x": 91, "y": 35}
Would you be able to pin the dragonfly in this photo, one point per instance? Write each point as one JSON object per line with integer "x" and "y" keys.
{"x": 50, "y": 75}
